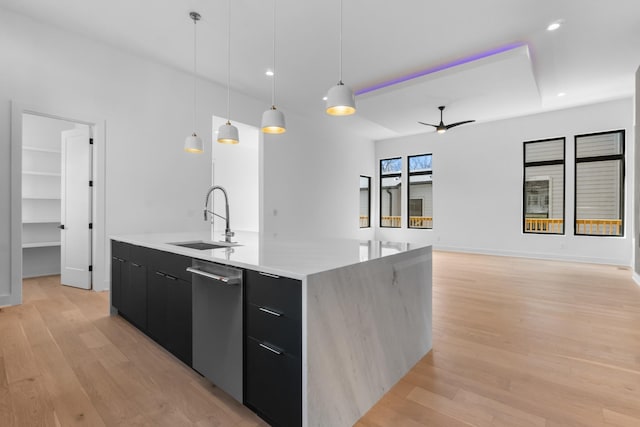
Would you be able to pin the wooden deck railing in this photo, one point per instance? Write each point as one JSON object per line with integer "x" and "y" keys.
{"x": 391, "y": 221}
{"x": 609, "y": 227}
{"x": 543, "y": 225}
{"x": 364, "y": 221}
{"x": 414, "y": 221}
{"x": 420, "y": 222}
{"x": 600, "y": 227}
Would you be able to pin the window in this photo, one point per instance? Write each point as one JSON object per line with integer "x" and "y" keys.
{"x": 390, "y": 192}
{"x": 420, "y": 192}
{"x": 543, "y": 186}
{"x": 599, "y": 189}
{"x": 365, "y": 201}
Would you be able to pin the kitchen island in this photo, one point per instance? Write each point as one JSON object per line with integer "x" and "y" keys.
{"x": 363, "y": 315}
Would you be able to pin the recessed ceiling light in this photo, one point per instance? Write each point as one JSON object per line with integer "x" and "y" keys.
{"x": 561, "y": 94}
{"x": 554, "y": 25}
{"x": 324, "y": 98}
{"x": 269, "y": 73}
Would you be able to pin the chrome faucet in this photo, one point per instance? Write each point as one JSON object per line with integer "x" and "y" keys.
{"x": 228, "y": 234}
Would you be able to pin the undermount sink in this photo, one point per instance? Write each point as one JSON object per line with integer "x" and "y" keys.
{"x": 202, "y": 245}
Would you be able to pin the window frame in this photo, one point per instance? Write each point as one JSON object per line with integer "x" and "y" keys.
{"x": 526, "y": 164}
{"x": 620, "y": 157}
{"x": 391, "y": 175}
{"x": 409, "y": 175}
{"x": 368, "y": 200}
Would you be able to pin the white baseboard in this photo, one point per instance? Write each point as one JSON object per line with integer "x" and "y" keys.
{"x": 518, "y": 254}
{"x": 636, "y": 278}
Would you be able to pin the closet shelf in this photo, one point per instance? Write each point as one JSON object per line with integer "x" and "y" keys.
{"x": 40, "y": 245}
{"x": 41, "y": 150}
{"x": 34, "y": 173}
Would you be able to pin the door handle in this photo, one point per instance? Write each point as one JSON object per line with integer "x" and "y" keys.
{"x": 61, "y": 226}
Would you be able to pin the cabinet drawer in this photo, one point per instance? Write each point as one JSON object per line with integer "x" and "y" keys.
{"x": 138, "y": 255}
{"x": 171, "y": 264}
{"x": 273, "y": 385}
{"x": 280, "y": 294}
{"x": 120, "y": 250}
{"x": 283, "y": 331}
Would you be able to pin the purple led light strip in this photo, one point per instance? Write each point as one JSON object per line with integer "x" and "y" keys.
{"x": 437, "y": 68}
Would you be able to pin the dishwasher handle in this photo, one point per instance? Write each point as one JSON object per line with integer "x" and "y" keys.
{"x": 223, "y": 279}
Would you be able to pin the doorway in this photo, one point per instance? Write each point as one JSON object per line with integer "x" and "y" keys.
{"x": 57, "y": 165}
{"x": 99, "y": 254}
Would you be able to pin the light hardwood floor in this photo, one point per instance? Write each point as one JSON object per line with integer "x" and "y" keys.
{"x": 517, "y": 342}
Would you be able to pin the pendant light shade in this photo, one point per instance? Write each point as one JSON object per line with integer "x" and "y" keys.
{"x": 272, "y": 119}
{"x": 193, "y": 143}
{"x": 340, "y": 99}
{"x": 227, "y": 133}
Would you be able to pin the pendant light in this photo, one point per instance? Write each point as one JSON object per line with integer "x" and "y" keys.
{"x": 193, "y": 143}
{"x": 272, "y": 119}
{"x": 340, "y": 99}
{"x": 227, "y": 133}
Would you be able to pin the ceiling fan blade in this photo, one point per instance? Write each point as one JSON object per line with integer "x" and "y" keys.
{"x": 428, "y": 124}
{"x": 459, "y": 123}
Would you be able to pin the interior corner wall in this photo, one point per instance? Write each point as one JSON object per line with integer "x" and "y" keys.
{"x": 152, "y": 185}
{"x": 311, "y": 178}
{"x": 478, "y": 178}
{"x": 636, "y": 199}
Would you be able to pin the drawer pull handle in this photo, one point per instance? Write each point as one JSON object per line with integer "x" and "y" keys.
{"x": 135, "y": 265}
{"x": 271, "y": 349}
{"x": 118, "y": 259}
{"x": 170, "y": 277}
{"x": 271, "y": 312}
{"x": 161, "y": 274}
{"x": 262, "y": 273}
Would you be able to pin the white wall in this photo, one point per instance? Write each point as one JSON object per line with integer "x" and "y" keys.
{"x": 477, "y": 185}
{"x": 235, "y": 168}
{"x": 151, "y": 184}
{"x": 311, "y": 178}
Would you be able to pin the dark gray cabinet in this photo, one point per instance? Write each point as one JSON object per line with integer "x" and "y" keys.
{"x": 170, "y": 303}
{"x": 152, "y": 290}
{"x": 129, "y": 282}
{"x": 119, "y": 271}
{"x": 273, "y": 348}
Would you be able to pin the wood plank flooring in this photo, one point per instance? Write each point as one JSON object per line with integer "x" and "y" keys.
{"x": 521, "y": 342}
{"x": 517, "y": 342}
{"x": 64, "y": 362}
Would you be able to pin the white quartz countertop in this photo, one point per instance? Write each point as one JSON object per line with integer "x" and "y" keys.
{"x": 290, "y": 257}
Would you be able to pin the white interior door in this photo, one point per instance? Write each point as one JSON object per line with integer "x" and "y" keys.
{"x": 75, "y": 238}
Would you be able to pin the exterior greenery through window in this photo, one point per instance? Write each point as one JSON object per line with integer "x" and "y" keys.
{"x": 365, "y": 201}
{"x": 420, "y": 193}
{"x": 599, "y": 187}
{"x": 390, "y": 192}
{"x": 543, "y": 186}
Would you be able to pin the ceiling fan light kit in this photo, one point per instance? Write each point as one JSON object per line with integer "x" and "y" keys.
{"x": 441, "y": 127}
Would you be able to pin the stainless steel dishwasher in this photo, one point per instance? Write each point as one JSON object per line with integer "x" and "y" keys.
{"x": 217, "y": 325}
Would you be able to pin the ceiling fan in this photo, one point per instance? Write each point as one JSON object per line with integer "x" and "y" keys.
{"x": 441, "y": 127}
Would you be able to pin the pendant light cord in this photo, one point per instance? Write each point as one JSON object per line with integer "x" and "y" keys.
{"x": 228, "y": 59}
{"x": 340, "y": 62}
{"x": 273, "y": 81}
{"x": 195, "y": 92}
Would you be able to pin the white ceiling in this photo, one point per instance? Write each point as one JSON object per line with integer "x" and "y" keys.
{"x": 592, "y": 57}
